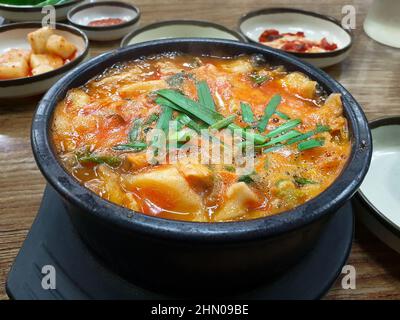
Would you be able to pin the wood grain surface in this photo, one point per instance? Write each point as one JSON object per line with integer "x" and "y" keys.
{"x": 371, "y": 73}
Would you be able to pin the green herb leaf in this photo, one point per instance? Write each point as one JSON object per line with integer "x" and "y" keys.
{"x": 187, "y": 121}
{"x": 247, "y": 113}
{"x": 230, "y": 168}
{"x": 153, "y": 117}
{"x": 303, "y": 181}
{"x": 165, "y": 118}
{"x": 204, "y": 95}
{"x": 274, "y": 148}
{"x": 309, "y": 144}
{"x": 135, "y": 130}
{"x": 181, "y": 136}
{"x": 269, "y": 111}
{"x": 247, "y": 178}
{"x": 284, "y": 137}
{"x": 133, "y": 146}
{"x": 284, "y": 127}
{"x": 258, "y": 79}
{"x": 304, "y": 136}
{"x": 183, "y": 104}
{"x": 223, "y": 122}
{"x": 162, "y": 123}
{"x": 282, "y": 115}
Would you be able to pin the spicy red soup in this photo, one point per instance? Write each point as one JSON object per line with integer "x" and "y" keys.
{"x": 297, "y": 133}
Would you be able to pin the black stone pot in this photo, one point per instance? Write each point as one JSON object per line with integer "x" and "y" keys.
{"x": 175, "y": 255}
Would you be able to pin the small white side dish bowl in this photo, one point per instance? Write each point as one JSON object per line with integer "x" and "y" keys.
{"x": 80, "y": 17}
{"x": 33, "y": 13}
{"x": 314, "y": 25}
{"x": 181, "y": 29}
{"x": 379, "y": 194}
{"x": 15, "y": 36}
{"x": 382, "y": 23}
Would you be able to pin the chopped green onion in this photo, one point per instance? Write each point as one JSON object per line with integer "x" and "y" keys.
{"x": 165, "y": 118}
{"x": 181, "y": 103}
{"x": 269, "y": 111}
{"x": 185, "y": 120}
{"x": 162, "y": 123}
{"x": 309, "y": 144}
{"x": 184, "y": 104}
{"x": 303, "y": 181}
{"x": 133, "y": 146}
{"x": 204, "y": 95}
{"x": 247, "y": 178}
{"x": 274, "y": 148}
{"x": 135, "y": 130}
{"x": 247, "y": 113}
{"x": 258, "y": 79}
{"x": 257, "y": 138}
{"x": 230, "y": 168}
{"x": 153, "y": 117}
{"x": 223, "y": 122}
{"x": 110, "y": 160}
{"x": 284, "y": 137}
{"x": 284, "y": 127}
{"x": 282, "y": 115}
{"x": 304, "y": 136}
{"x": 181, "y": 136}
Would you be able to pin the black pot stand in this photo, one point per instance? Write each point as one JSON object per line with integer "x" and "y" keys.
{"x": 53, "y": 241}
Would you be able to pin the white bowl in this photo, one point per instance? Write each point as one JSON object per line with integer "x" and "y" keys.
{"x": 314, "y": 25}
{"x": 15, "y": 36}
{"x": 379, "y": 193}
{"x": 181, "y": 29}
{"x": 80, "y": 16}
{"x": 32, "y": 13}
{"x": 383, "y": 22}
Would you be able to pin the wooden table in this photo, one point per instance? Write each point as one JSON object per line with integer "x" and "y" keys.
{"x": 371, "y": 73}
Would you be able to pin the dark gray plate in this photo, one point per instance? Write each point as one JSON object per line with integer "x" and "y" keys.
{"x": 79, "y": 275}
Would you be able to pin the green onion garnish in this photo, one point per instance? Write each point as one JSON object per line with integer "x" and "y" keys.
{"x": 181, "y": 103}
{"x": 247, "y": 178}
{"x": 153, "y": 117}
{"x": 284, "y": 127}
{"x": 135, "y": 130}
{"x": 184, "y": 104}
{"x": 284, "y": 137}
{"x": 223, "y": 122}
{"x": 304, "y": 136}
{"x": 92, "y": 158}
{"x": 162, "y": 123}
{"x": 181, "y": 136}
{"x": 282, "y": 115}
{"x": 247, "y": 113}
{"x": 303, "y": 181}
{"x": 269, "y": 111}
{"x": 133, "y": 146}
{"x": 258, "y": 79}
{"x": 165, "y": 118}
{"x": 185, "y": 120}
{"x": 274, "y": 148}
{"x": 309, "y": 144}
{"x": 230, "y": 168}
{"x": 204, "y": 95}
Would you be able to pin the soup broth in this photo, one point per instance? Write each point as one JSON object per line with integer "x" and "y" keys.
{"x": 136, "y": 136}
